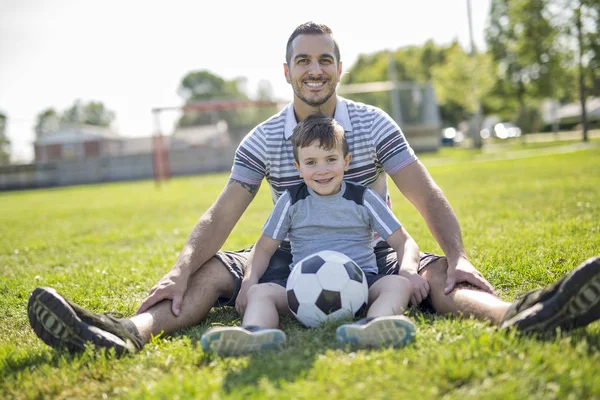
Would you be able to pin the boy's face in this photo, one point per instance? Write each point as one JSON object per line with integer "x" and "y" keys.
{"x": 322, "y": 170}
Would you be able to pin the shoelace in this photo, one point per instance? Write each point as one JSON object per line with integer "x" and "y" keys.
{"x": 114, "y": 315}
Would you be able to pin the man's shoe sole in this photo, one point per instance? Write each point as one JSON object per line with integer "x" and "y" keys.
{"x": 394, "y": 331}
{"x": 575, "y": 304}
{"x": 55, "y": 322}
{"x": 233, "y": 341}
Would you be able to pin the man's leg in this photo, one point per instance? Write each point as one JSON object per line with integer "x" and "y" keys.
{"x": 571, "y": 302}
{"x": 210, "y": 282}
{"x": 463, "y": 300}
{"x": 62, "y": 324}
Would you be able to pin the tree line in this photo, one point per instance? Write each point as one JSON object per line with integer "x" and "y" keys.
{"x": 535, "y": 50}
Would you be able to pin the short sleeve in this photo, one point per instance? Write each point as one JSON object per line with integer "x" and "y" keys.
{"x": 278, "y": 223}
{"x": 383, "y": 220}
{"x": 249, "y": 161}
{"x": 393, "y": 151}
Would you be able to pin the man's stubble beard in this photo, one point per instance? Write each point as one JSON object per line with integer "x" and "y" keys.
{"x": 313, "y": 103}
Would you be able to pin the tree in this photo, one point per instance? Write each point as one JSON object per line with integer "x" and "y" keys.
{"x": 203, "y": 85}
{"x": 198, "y": 86}
{"x": 579, "y": 22}
{"x": 522, "y": 39}
{"x": 460, "y": 82}
{"x": 448, "y": 68}
{"x": 4, "y": 142}
{"x": 47, "y": 121}
{"x": 90, "y": 113}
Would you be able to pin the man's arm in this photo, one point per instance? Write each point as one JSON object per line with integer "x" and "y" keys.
{"x": 206, "y": 238}
{"x": 418, "y": 187}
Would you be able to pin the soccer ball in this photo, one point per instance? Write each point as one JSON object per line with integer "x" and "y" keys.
{"x": 324, "y": 286}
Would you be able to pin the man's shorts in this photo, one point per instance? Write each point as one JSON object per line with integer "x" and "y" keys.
{"x": 279, "y": 266}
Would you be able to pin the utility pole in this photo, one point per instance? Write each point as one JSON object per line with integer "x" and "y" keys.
{"x": 396, "y": 110}
{"x": 477, "y": 142}
{"x": 582, "y": 99}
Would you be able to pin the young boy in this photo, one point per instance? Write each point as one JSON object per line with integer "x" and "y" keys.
{"x": 325, "y": 213}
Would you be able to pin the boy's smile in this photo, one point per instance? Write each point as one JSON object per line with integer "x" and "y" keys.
{"x": 322, "y": 170}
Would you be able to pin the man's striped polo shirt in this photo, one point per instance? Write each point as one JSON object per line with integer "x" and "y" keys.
{"x": 375, "y": 141}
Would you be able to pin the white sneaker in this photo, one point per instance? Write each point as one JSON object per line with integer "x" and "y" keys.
{"x": 395, "y": 330}
{"x": 238, "y": 340}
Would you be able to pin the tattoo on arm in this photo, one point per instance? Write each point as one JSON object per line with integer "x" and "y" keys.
{"x": 252, "y": 189}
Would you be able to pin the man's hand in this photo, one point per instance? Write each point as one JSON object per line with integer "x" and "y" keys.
{"x": 241, "y": 302}
{"x": 464, "y": 271}
{"x": 171, "y": 287}
{"x": 419, "y": 285}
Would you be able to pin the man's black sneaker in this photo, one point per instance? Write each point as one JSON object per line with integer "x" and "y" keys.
{"x": 64, "y": 325}
{"x": 572, "y": 302}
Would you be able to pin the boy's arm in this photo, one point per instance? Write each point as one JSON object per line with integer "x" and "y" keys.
{"x": 258, "y": 261}
{"x": 259, "y": 258}
{"x": 408, "y": 255}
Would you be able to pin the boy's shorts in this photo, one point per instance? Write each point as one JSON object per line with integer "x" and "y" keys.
{"x": 279, "y": 266}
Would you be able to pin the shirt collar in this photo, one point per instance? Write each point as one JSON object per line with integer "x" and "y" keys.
{"x": 341, "y": 116}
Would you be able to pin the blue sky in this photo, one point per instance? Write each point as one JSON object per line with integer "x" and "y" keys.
{"x": 132, "y": 54}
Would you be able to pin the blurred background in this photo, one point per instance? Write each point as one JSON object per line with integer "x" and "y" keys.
{"x": 94, "y": 91}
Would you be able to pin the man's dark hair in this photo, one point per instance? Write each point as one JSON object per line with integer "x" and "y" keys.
{"x": 311, "y": 28}
{"x": 322, "y": 129}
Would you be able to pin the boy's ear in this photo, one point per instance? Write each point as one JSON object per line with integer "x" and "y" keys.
{"x": 298, "y": 168}
{"x": 347, "y": 160}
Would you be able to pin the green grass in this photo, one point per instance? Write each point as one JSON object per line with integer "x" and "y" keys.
{"x": 525, "y": 221}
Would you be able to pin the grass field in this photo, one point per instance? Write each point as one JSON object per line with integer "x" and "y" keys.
{"x": 525, "y": 221}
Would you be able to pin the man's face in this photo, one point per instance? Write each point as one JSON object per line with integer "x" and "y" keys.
{"x": 313, "y": 71}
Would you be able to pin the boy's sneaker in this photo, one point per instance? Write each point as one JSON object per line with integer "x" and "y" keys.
{"x": 395, "y": 330}
{"x": 64, "y": 325}
{"x": 237, "y": 340}
{"x": 572, "y": 302}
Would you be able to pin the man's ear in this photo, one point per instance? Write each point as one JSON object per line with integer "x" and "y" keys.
{"x": 339, "y": 72}
{"x": 347, "y": 160}
{"x": 286, "y": 71}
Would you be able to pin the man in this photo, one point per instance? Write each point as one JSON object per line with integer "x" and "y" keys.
{"x": 203, "y": 275}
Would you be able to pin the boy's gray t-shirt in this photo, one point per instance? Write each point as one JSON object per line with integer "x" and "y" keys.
{"x": 342, "y": 222}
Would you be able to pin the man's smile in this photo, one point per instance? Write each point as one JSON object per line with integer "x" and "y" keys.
{"x": 315, "y": 84}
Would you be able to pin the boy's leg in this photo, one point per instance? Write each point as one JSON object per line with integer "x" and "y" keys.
{"x": 384, "y": 325}
{"x": 389, "y": 295}
{"x": 266, "y": 302}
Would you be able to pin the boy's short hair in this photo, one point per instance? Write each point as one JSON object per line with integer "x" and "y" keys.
{"x": 319, "y": 128}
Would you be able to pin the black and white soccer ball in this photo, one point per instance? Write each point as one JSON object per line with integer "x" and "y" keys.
{"x": 326, "y": 285}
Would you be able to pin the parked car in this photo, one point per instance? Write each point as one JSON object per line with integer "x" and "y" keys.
{"x": 505, "y": 130}
{"x": 451, "y": 136}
